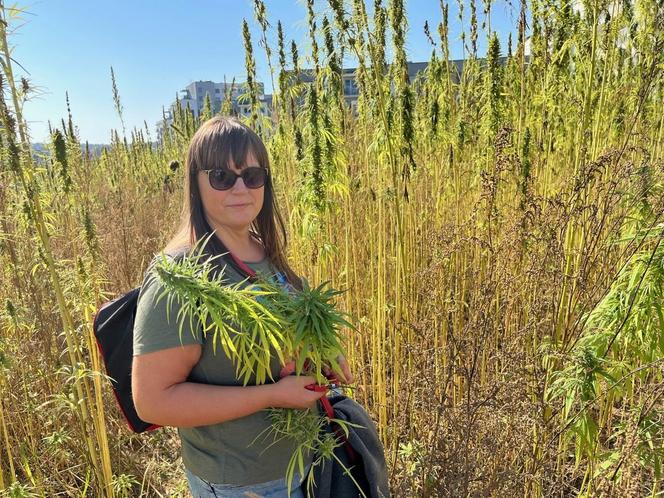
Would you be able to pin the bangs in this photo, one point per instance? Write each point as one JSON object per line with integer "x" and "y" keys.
{"x": 221, "y": 143}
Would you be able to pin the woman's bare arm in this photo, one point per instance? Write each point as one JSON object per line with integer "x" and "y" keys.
{"x": 163, "y": 396}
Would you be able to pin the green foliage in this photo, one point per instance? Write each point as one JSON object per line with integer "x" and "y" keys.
{"x": 19, "y": 490}
{"x": 245, "y": 328}
{"x": 206, "y": 113}
{"x": 249, "y": 321}
{"x": 60, "y": 153}
{"x": 413, "y": 454}
{"x": 622, "y": 347}
{"x": 123, "y": 485}
{"x": 308, "y": 430}
{"x": 250, "y": 65}
{"x": 316, "y": 324}
{"x": 493, "y": 89}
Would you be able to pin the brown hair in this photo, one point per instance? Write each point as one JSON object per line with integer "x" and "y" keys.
{"x": 216, "y": 141}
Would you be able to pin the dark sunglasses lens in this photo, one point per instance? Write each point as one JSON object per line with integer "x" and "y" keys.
{"x": 221, "y": 179}
{"x": 253, "y": 177}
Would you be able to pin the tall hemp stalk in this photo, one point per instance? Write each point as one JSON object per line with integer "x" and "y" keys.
{"x": 91, "y": 421}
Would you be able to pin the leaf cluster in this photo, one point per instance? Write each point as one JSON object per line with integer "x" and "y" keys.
{"x": 245, "y": 327}
{"x": 250, "y": 321}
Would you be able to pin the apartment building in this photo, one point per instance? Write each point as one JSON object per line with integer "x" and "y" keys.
{"x": 193, "y": 97}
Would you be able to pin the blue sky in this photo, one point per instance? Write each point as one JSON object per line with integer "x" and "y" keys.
{"x": 158, "y": 47}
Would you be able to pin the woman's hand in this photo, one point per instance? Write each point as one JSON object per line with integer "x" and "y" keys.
{"x": 346, "y": 376}
{"x": 289, "y": 392}
{"x": 288, "y": 368}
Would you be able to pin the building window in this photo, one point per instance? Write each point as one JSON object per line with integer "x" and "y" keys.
{"x": 216, "y": 90}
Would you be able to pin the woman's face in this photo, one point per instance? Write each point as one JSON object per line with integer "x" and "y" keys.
{"x": 236, "y": 207}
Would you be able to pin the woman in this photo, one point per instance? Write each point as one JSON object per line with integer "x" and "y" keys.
{"x": 179, "y": 380}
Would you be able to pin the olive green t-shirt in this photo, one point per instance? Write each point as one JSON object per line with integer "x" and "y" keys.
{"x": 218, "y": 453}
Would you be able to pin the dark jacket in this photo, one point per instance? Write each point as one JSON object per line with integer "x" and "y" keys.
{"x": 370, "y": 470}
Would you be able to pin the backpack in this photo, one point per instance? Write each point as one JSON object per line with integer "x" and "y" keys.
{"x": 113, "y": 327}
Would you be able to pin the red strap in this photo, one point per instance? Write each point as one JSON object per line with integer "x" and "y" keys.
{"x": 328, "y": 407}
{"x": 243, "y": 266}
{"x": 338, "y": 430}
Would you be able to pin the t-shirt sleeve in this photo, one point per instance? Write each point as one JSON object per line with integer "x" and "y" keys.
{"x": 153, "y": 331}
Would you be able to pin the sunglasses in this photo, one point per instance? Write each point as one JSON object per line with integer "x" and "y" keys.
{"x": 224, "y": 178}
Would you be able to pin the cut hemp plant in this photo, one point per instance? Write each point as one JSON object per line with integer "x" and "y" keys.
{"x": 202, "y": 295}
{"x": 304, "y": 325}
{"x": 308, "y": 430}
{"x": 313, "y": 326}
